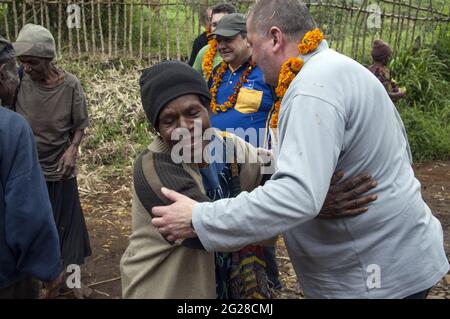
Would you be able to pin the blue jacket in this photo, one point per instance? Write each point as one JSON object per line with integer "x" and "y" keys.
{"x": 29, "y": 244}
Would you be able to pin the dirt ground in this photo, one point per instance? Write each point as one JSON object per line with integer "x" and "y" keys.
{"x": 107, "y": 211}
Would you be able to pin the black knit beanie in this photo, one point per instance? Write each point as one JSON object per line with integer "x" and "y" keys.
{"x": 167, "y": 81}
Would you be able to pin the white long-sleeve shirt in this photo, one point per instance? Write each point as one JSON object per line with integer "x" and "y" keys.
{"x": 337, "y": 115}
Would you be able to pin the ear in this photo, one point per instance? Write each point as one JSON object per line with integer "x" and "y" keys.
{"x": 277, "y": 39}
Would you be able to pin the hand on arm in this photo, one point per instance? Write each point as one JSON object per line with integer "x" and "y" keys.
{"x": 174, "y": 221}
{"x": 68, "y": 161}
{"x": 395, "y": 96}
{"x": 51, "y": 287}
{"x": 347, "y": 199}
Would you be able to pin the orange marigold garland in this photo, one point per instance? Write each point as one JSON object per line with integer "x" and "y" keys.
{"x": 310, "y": 41}
{"x": 291, "y": 68}
{"x": 288, "y": 72}
{"x": 208, "y": 59}
{"x": 216, "y": 83}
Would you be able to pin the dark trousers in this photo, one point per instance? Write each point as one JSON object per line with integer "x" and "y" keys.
{"x": 26, "y": 288}
{"x": 272, "y": 268}
{"x": 70, "y": 222}
{"x": 419, "y": 295}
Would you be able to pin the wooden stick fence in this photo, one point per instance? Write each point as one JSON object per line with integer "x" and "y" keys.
{"x": 165, "y": 29}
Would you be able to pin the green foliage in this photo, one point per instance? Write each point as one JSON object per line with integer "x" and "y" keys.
{"x": 428, "y": 132}
{"x": 422, "y": 73}
{"x": 442, "y": 49}
{"x": 426, "y": 109}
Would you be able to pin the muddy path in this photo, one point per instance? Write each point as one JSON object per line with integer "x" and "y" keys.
{"x": 107, "y": 210}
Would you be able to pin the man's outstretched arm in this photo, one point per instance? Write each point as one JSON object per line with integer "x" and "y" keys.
{"x": 296, "y": 193}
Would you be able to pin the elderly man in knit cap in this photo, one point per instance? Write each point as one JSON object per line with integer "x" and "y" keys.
{"x": 176, "y": 100}
{"x": 381, "y": 52}
{"x": 54, "y": 104}
{"x": 29, "y": 245}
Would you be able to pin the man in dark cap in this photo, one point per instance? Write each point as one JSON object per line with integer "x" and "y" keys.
{"x": 54, "y": 104}
{"x": 29, "y": 244}
{"x": 381, "y": 53}
{"x": 241, "y": 99}
{"x": 173, "y": 96}
{"x": 208, "y": 57}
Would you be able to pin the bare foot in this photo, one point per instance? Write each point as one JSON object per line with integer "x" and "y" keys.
{"x": 83, "y": 292}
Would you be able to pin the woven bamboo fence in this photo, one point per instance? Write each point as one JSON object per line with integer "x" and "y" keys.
{"x": 165, "y": 29}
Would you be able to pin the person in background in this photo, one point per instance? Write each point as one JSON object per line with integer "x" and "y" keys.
{"x": 208, "y": 57}
{"x": 202, "y": 39}
{"x": 29, "y": 244}
{"x": 241, "y": 100}
{"x": 381, "y": 53}
{"x": 53, "y": 103}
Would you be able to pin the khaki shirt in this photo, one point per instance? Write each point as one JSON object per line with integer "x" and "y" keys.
{"x": 54, "y": 114}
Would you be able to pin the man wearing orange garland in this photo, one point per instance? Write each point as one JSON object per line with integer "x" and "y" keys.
{"x": 240, "y": 99}
{"x": 334, "y": 114}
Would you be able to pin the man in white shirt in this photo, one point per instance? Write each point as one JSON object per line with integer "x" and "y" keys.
{"x": 335, "y": 115}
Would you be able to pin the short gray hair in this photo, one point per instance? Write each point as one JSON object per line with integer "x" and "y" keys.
{"x": 292, "y": 17}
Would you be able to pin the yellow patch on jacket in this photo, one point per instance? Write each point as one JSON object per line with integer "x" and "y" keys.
{"x": 248, "y": 101}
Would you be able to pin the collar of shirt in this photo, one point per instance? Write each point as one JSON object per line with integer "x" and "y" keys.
{"x": 243, "y": 65}
{"x": 322, "y": 47}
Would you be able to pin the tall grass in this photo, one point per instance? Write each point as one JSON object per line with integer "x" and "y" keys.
{"x": 426, "y": 108}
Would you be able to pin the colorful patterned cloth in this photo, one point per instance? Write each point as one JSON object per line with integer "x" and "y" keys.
{"x": 240, "y": 274}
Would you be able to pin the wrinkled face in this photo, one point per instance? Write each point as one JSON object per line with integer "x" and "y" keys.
{"x": 215, "y": 20}
{"x": 178, "y": 117}
{"x": 36, "y": 68}
{"x": 233, "y": 50}
{"x": 262, "y": 54}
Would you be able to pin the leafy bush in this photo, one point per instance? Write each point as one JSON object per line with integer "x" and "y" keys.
{"x": 426, "y": 108}
{"x": 422, "y": 73}
{"x": 428, "y": 132}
